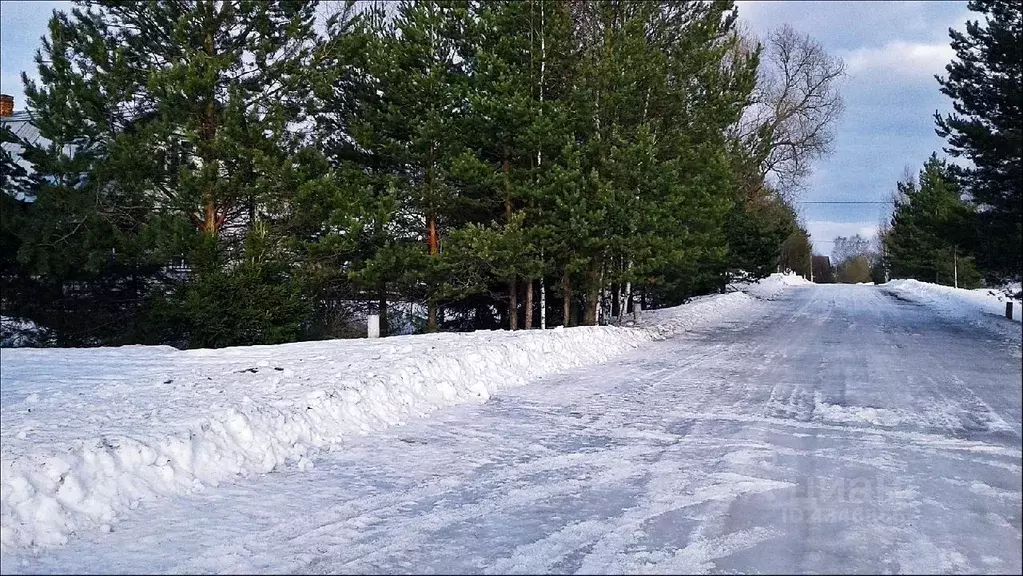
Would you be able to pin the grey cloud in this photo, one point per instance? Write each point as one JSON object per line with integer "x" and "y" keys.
{"x": 852, "y": 25}
{"x": 893, "y": 49}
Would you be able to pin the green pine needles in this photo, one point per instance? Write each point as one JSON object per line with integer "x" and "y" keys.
{"x": 231, "y": 172}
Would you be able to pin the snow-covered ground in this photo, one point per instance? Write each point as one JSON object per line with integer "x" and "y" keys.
{"x": 832, "y": 429}
{"x": 89, "y": 434}
{"x": 983, "y": 306}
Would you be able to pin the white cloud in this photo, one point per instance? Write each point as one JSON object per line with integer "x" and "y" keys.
{"x": 822, "y": 232}
{"x": 902, "y": 59}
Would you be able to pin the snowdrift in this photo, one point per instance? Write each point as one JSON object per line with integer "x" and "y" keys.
{"x": 983, "y": 306}
{"x": 90, "y": 433}
{"x": 17, "y": 332}
{"x": 769, "y": 288}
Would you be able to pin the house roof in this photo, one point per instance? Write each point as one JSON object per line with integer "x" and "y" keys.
{"x": 20, "y": 123}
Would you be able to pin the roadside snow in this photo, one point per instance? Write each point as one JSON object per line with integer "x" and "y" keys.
{"x": 835, "y": 430}
{"x": 769, "y": 288}
{"x": 17, "y": 332}
{"x": 90, "y": 433}
{"x": 983, "y": 306}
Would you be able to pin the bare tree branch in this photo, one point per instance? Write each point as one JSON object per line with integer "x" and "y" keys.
{"x": 790, "y": 120}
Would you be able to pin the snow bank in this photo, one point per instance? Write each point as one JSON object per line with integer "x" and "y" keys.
{"x": 90, "y": 433}
{"x": 769, "y": 288}
{"x": 983, "y": 306}
{"x": 1013, "y": 289}
{"x": 17, "y": 332}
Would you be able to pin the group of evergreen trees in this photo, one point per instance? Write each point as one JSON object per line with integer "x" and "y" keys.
{"x": 954, "y": 225}
{"x": 222, "y": 173}
{"x": 933, "y": 233}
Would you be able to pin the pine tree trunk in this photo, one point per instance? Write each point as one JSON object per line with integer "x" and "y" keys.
{"x": 955, "y": 266}
{"x": 590, "y": 314}
{"x": 566, "y": 288}
{"x": 529, "y": 304}
{"x": 383, "y": 309}
{"x": 210, "y": 225}
{"x": 539, "y": 161}
{"x": 592, "y": 299}
{"x": 513, "y": 304}
{"x": 432, "y": 242}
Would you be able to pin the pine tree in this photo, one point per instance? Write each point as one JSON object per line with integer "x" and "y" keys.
{"x": 986, "y": 85}
{"x": 757, "y": 230}
{"x": 796, "y": 253}
{"x": 496, "y": 169}
{"x": 416, "y": 129}
{"x": 930, "y": 237}
{"x": 182, "y": 117}
{"x": 345, "y": 211}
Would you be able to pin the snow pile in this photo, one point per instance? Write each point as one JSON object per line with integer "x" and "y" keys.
{"x": 1012, "y": 289}
{"x": 769, "y": 288}
{"x": 90, "y": 433}
{"x": 982, "y": 306}
{"x": 17, "y": 332}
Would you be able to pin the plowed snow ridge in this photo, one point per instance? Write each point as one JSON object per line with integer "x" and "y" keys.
{"x": 90, "y": 433}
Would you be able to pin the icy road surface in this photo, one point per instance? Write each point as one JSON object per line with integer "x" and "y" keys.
{"x": 843, "y": 431}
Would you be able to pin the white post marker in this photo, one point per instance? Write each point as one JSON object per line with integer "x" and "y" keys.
{"x": 373, "y": 326}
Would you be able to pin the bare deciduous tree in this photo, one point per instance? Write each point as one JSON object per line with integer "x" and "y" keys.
{"x": 854, "y": 257}
{"x": 790, "y": 120}
{"x": 849, "y": 247}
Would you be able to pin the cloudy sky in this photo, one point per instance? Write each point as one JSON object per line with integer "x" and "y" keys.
{"x": 892, "y": 51}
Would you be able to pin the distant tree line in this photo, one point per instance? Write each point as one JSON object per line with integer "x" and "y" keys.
{"x": 228, "y": 173}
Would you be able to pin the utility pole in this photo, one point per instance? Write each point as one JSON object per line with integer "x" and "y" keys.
{"x": 811, "y": 266}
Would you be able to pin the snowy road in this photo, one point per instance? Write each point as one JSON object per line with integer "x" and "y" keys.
{"x": 842, "y": 431}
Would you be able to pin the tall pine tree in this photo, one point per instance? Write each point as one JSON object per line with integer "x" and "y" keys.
{"x": 985, "y": 82}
